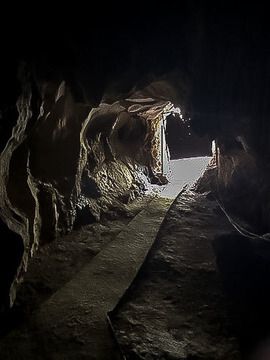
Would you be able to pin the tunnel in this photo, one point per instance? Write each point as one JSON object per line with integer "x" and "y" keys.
{"x": 134, "y": 187}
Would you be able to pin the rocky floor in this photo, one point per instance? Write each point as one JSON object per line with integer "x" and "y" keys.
{"x": 72, "y": 323}
{"x": 176, "y": 309}
{"x": 57, "y": 263}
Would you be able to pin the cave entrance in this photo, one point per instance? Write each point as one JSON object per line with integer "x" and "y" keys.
{"x": 182, "y": 142}
{"x": 168, "y": 138}
{"x": 184, "y": 155}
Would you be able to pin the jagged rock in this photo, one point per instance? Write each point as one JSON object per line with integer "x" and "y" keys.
{"x": 67, "y": 164}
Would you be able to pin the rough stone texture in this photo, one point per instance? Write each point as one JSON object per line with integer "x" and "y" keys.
{"x": 72, "y": 324}
{"x": 57, "y": 262}
{"x": 240, "y": 182}
{"x": 239, "y": 177}
{"x": 176, "y": 309}
{"x": 217, "y": 57}
{"x": 66, "y": 164}
{"x": 38, "y": 168}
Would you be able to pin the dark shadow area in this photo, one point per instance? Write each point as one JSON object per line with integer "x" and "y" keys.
{"x": 10, "y": 258}
{"x": 84, "y": 217}
{"x": 183, "y": 142}
{"x": 245, "y": 270}
{"x": 66, "y": 166}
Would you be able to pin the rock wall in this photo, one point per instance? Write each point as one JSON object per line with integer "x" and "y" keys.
{"x": 38, "y": 168}
{"x": 60, "y": 150}
{"x": 67, "y": 164}
{"x": 239, "y": 176}
{"x": 243, "y": 183}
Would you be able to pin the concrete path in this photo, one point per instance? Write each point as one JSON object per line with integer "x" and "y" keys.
{"x": 72, "y": 324}
{"x": 77, "y": 314}
{"x": 177, "y": 308}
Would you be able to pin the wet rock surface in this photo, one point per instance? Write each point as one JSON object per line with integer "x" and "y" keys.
{"x": 176, "y": 309}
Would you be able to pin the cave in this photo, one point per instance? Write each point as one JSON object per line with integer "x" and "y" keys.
{"x": 134, "y": 187}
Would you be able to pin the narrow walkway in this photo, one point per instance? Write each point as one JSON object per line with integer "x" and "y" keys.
{"x": 72, "y": 324}
{"x": 176, "y": 308}
{"x": 77, "y": 313}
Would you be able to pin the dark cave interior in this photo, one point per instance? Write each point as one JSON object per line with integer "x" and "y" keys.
{"x": 82, "y": 135}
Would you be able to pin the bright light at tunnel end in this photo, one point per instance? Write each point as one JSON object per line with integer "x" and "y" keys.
{"x": 184, "y": 172}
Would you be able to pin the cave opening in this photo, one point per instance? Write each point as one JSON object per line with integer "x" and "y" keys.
{"x": 184, "y": 155}
{"x": 102, "y": 127}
